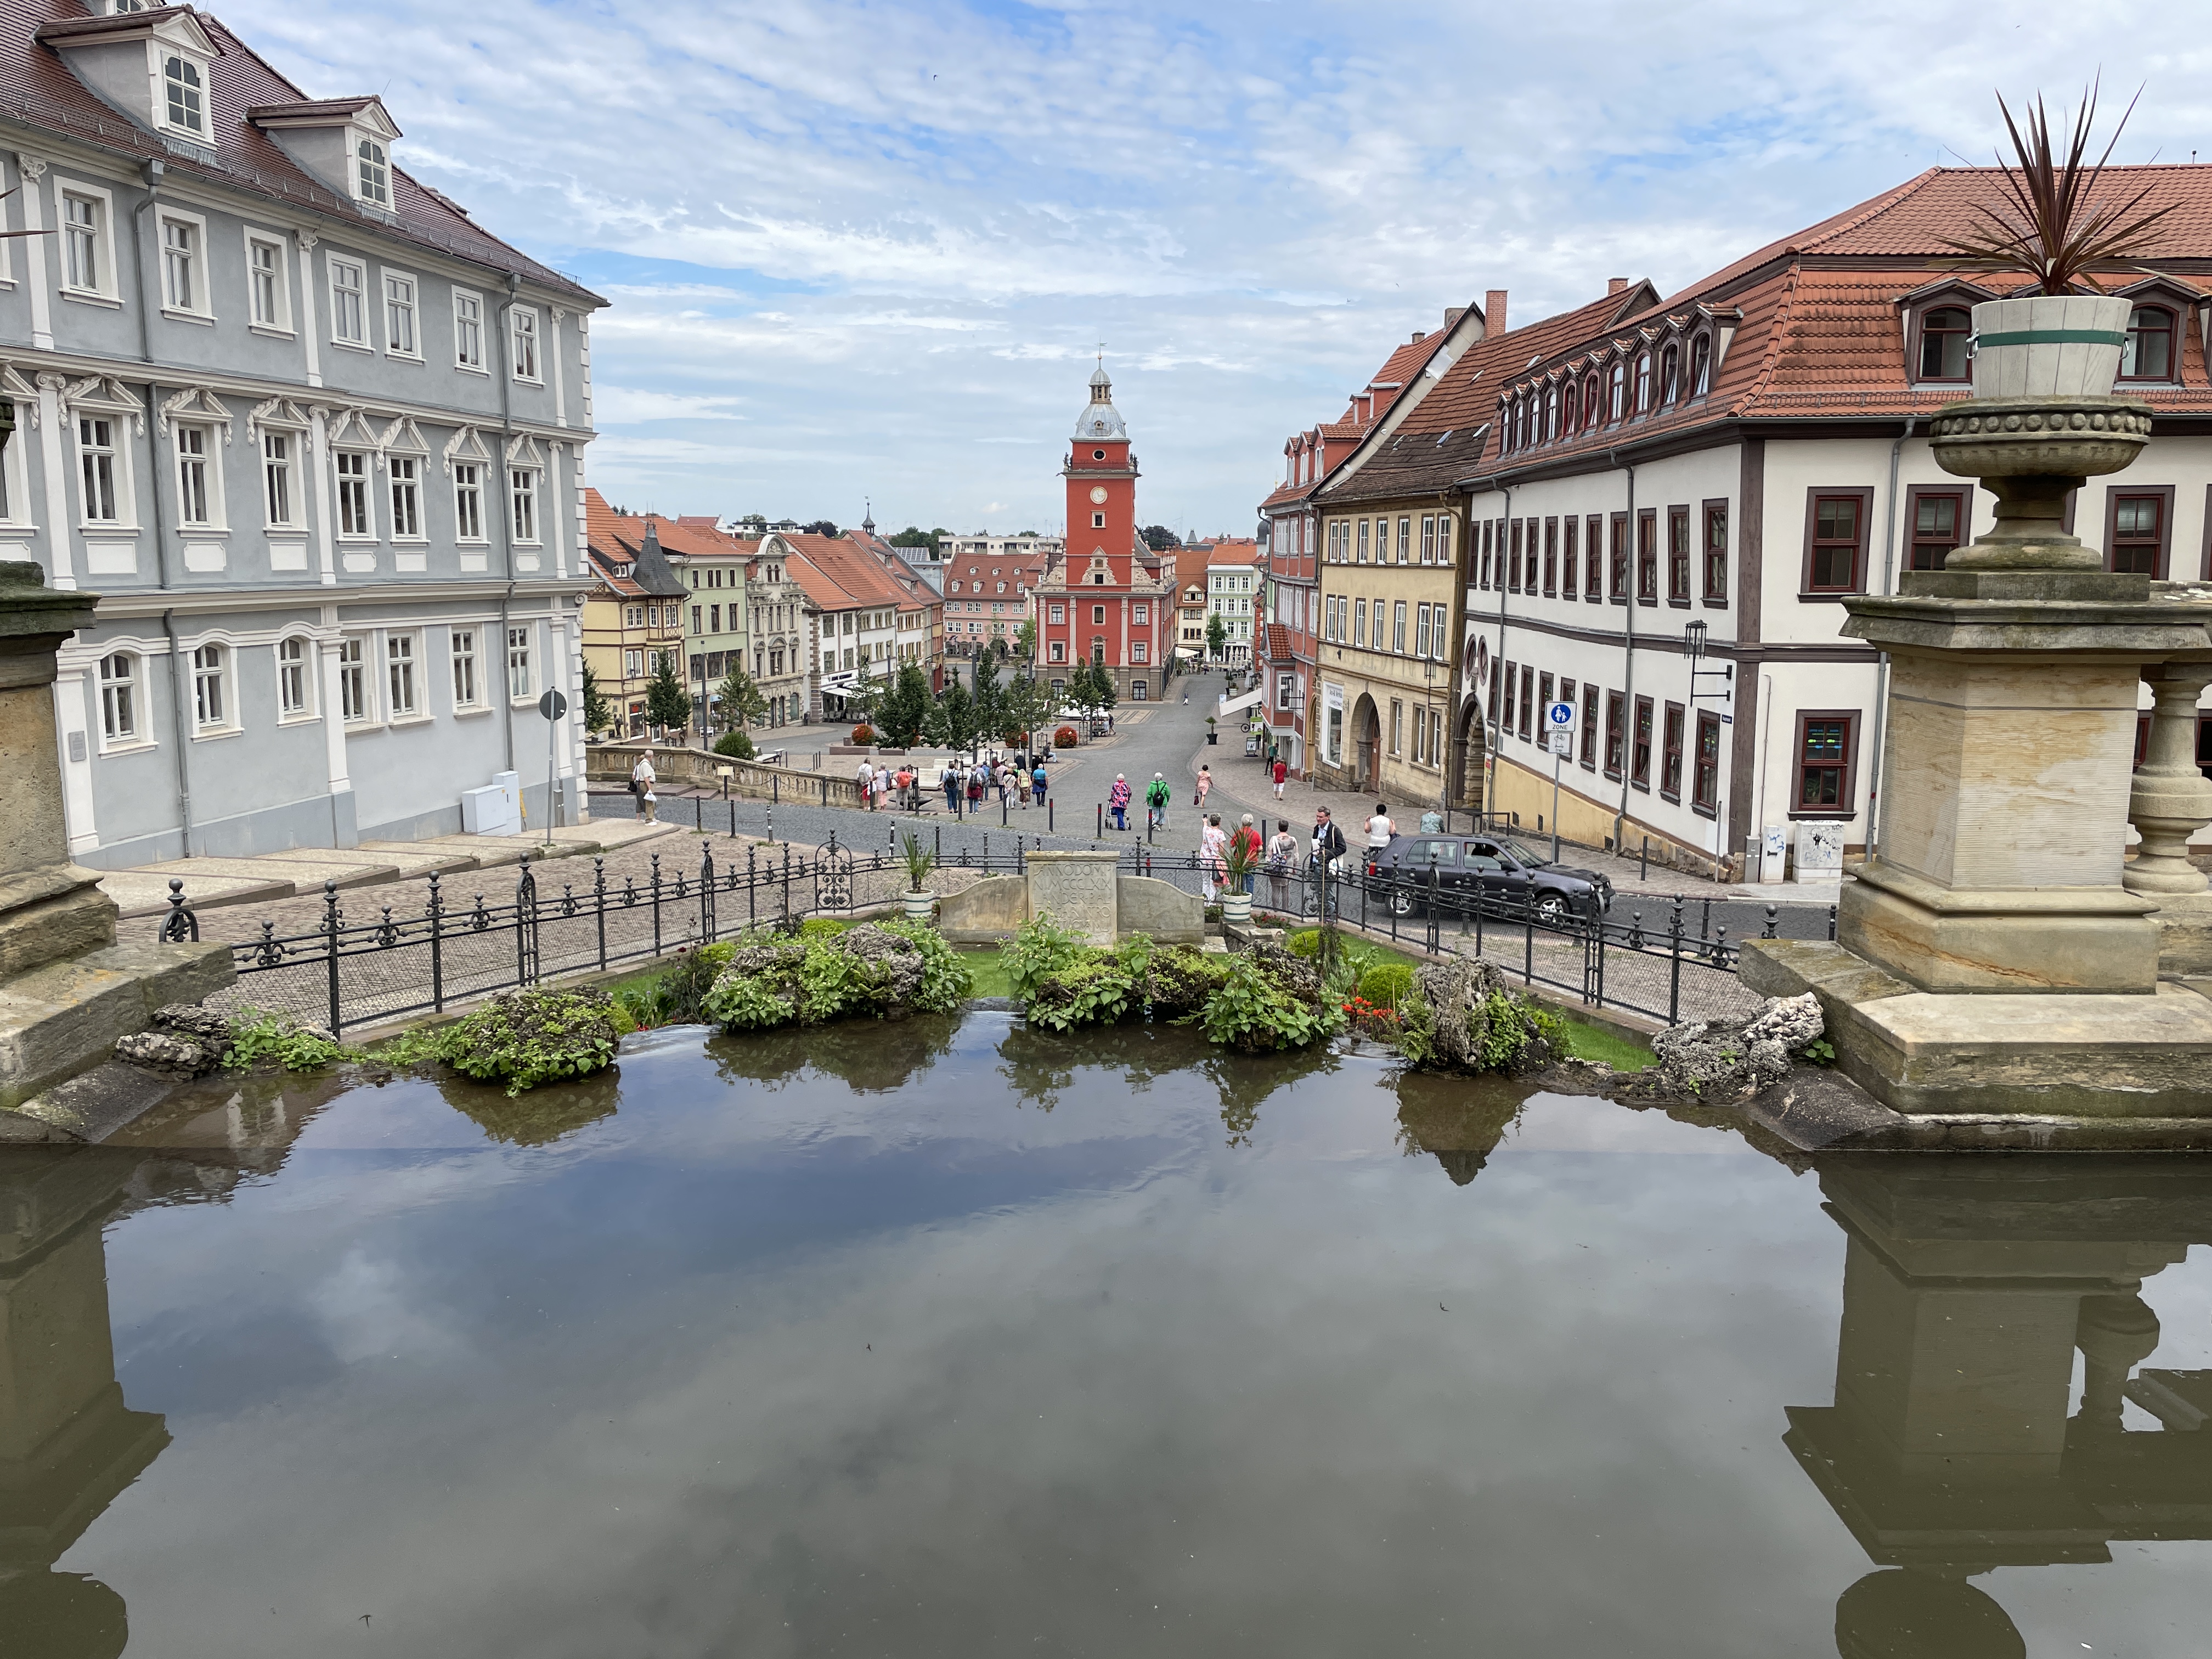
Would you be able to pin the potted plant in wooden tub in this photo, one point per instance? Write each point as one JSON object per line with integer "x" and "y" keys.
{"x": 921, "y": 903}
{"x": 2061, "y": 338}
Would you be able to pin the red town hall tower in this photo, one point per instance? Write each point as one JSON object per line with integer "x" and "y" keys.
{"x": 1107, "y": 600}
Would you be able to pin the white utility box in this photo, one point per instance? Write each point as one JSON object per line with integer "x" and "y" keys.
{"x": 494, "y": 810}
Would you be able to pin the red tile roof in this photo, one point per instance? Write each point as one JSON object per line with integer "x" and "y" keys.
{"x": 1230, "y": 552}
{"x": 38, "y": 89}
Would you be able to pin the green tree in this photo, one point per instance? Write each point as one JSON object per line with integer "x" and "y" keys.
{"x": 861, "y": 702}
{"x": 904, "y": 709}
{"x": 1026, "y": 639}
{"x": 667, "y": 704}
{"x": 988, "y": 693}
{"x": 1025, "y": 707}
{"x": 742, "y": 703}
{"x": 1159, "y": 538}
{"x": 951, "y": 722}
{"x": 598, "y": 714}
{"x": 1102, "y": 689}
{"x": 1217, "y": 636}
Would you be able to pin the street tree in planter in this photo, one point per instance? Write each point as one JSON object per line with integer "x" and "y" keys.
{"x": 667, "y": 704}
{"x": 740, "y": 700}
{"x": 2049, "y": 226}
{"x": 904, "y": 709}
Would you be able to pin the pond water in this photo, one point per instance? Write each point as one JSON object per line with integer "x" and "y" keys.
{"x": 945, "y": 1339}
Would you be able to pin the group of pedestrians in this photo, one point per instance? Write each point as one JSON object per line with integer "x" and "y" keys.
{"x": 1020, "y": 779}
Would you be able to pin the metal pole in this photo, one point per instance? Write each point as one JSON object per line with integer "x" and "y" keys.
{"x": 1556, "y": 759}
{"x": 1047, "y": 813}
{"x": 1675, "y": 963}
{"x": 552, "y": 759}
{"x": 438, "y": 948}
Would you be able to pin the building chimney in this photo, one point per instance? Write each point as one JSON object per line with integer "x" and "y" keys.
{"x": 1615, "y": 284}
{"x": 1493, "y": 313}
{"x": 1419, "y": 335}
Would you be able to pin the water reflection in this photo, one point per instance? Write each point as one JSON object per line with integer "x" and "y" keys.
{"x": 68, "y": 1443}
{"x": 1458, "y": 1122}
{"x": 874, "y": 1056}
{"x": 537, "y": 1117}
{"x": 1969, "y": 1283}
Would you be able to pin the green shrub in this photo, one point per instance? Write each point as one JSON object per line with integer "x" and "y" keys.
{"x": 1179, "y": 980}
{"x": 1306, "y": 942}
{"x": 836, "y": 972}
{"x": 1386, "y": 984}
{"x": 1255, "y": 1009}
{"x": 822, "y": 928}
{"x": 529, "y": 1038}
{"x": 1098, "y": 990}
{"x": 257, "y": 1034}
{"x": 735, "y": 744}
{"x": 945, "y": 978}
{"x": 1040, "y": 946}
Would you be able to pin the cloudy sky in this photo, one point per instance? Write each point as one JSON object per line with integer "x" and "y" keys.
{"x": 860, "y": 250}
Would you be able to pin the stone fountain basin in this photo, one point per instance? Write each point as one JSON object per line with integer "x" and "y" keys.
{"x": 2039, "y": 437}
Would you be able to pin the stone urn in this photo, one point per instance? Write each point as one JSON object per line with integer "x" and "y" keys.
{"x": 2052, "y": 346}
{"x": 1236, "y": 908}
{"x": 919, "y": 907}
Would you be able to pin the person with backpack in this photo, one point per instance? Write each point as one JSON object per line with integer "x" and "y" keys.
{"x": 950, "y": 777}
{"x": 1156, "y": 802}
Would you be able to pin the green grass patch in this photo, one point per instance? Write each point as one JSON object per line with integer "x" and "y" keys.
{"x": 1595, "y": 1042}
{"x": 987, "y": 973}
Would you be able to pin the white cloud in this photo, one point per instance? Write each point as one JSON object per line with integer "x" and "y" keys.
{"x": 896, "y": 226}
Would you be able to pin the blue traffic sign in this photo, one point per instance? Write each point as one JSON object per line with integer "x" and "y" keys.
{"x": 1559, "y": 714}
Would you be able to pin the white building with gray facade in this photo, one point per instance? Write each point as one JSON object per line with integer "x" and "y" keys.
{"x": 314, "y": 437}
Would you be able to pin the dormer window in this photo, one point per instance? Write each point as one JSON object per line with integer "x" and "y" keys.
{"x": 182, "y": 82}
{"x": 1701, "y": 366}
{"x": 372, "y": 172}
{"x": 1944, "y": 333}
{"x": 2148, "y": 354}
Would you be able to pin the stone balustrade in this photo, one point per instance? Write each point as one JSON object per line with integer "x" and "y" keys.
{"x": 611, "y": 763}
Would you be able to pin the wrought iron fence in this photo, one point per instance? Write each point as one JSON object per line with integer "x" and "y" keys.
{"x": 356, "y": 969}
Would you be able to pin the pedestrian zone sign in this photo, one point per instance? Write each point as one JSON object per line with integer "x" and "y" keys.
{"x": 1558, "y": 715}
{"x": 1562, "y": 743}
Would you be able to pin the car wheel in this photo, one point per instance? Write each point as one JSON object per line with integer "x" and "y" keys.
{"x": 1401, "y": 903}
{"x": 1552, "y": 910}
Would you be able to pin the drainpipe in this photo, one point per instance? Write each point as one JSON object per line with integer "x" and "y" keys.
{"x": 506, "y": 515}
{"x": 180, "y": 683}
{"x": 1628, "y": 671}
{"x": 1881, "y": 670}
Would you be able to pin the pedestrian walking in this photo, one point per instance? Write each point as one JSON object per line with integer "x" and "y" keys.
{"x": 1282, "y": 855}
{"x": 883, "y": 787}
{"x": 1380, "y": 829}
{"x": 1328, "y": 856}
{"x": 1204, "y": 786}
{"x": 1211, "y": 873}
{"x": 976, "y": 780}
{"x": 642, "y": 781}
{"x": 1156, "y": 802}
{"x": 1037, "y": 781}
{"x": 1117, "y": 802}
{"x": 1003, "y": 775}
{"x": 950, "y": 777}
{"x": 1247, "y": 838}
{"x": 1280, "y": 772}
{"x": 865, "y": 781}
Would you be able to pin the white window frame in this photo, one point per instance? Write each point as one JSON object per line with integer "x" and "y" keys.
{"x": 406, "y": 496}
{"x": 205, "y": 460}
{"x": 222, "y": 676}
{"x": 469, "y": 330}
{"x": 118, "y": 450}
{"x": 297, "y": 670}
{"x": 340, "y": 479}
{"x": 163, "y": 55}
{"x": 287, "y": 466}
{"x": 355, "y": 687}
{"x": 524, "y": 345}
{"x": 198, "y": 305}
{"x": 519, "y": 663}
{"x": 403, "y": 677}
{"x": 468, "y": 501}
{"x": 103, "y": 289}
{"x": 405, "y": 311}
{"x": 369, "y": 177}
{"x": 279, "y": 321}
{"x": 333, "y": 264}
{"x": 463, "y": 650}
{"x": 126, "y": 693}
{"x": 522, "y": 485}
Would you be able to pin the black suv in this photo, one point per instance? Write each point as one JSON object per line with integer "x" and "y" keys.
{"x": 1508, "y": 874}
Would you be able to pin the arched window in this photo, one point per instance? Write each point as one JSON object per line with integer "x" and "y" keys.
{"x": 296, "y": 680}
{"x": 1571, "y": 418}
{"x": 1593, "y": 410}
{"x": 208, "y": 688}
{"x": 1701, "y": 365}
{"x": 1620, "y": 391}
{"x": 181, "y": 78}
{"x": 375, "y": 173}
{"x": 1644, "y": 384}
{"x": 1552, "y": 414}
{"x": 2148, "y": 354}
{"x": 1670, "y": 374}
{"x": 1943, "y": 335}
{"x": 118, "y": 697}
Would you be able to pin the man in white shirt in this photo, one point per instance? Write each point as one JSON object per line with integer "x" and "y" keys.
{"x": 1380, "y": 829}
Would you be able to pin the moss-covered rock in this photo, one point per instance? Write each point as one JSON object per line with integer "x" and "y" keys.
{"x": 525, "y": 1038}
{"x": 879, "y": 970}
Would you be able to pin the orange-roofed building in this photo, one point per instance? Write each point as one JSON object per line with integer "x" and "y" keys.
{"x": 1736, "y": 460}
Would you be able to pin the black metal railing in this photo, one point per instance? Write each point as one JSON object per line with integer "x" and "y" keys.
{"x": 352, "y": 969}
